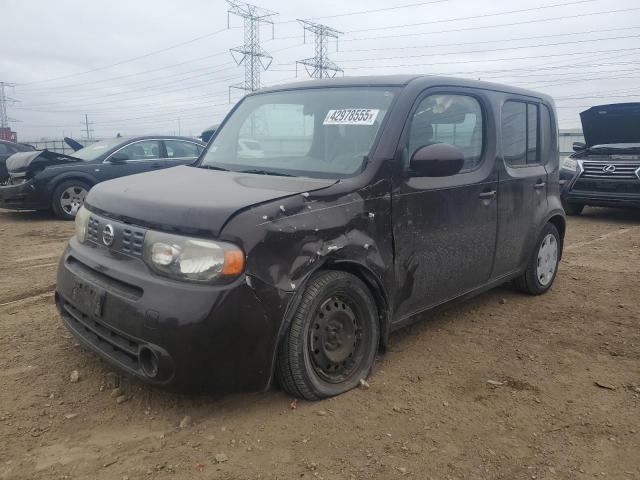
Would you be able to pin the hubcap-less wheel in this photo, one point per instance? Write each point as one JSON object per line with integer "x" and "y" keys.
{"x": 547, "y": 259}
{"x": 335, "y": 340}
{"x": 72, "y": 199}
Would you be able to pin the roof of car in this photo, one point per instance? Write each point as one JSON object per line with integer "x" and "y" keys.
{"x": 403, "y": 80}
{"x": 127, "y": 138}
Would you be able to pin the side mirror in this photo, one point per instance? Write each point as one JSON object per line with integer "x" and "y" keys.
{"x": 119, "y": 157}
{"x": 579, "y": 146}
{"x": 436, "y": 160}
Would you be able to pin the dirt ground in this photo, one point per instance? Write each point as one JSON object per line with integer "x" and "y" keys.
{"x": 503, "y": 386}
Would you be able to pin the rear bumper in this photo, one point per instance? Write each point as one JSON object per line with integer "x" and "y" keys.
{"x": 21, "y": 197}
{"x": 198, "y": 338}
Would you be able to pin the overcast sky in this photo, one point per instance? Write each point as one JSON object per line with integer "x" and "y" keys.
{"x": 152, "y": 66}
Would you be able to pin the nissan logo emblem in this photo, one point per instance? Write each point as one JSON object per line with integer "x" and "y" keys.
{"x": 609, "y": 168}
{"x": 107, "y": 235}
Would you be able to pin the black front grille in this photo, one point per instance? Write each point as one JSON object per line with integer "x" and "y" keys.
{"x": 132, "y": 241}
{"x": 611, "y": 170}
{"x": 127, "y": 238}
{"x": 123, "y": 350}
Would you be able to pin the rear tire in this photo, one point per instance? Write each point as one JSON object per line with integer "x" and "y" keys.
{"x": 543, "y": 266}
{"x": 573, "y": 209}
{"x": 68, "y": 197}
{"x": 333, "y": 338}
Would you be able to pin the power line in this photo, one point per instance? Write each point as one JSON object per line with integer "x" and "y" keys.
{"x": 500, "y": 40}
{"x": 482, "y": 27}
{"x": 450, "y": 62}
{"x": 475, "y": 17}
{"x": 129, "y": 60}
{"x": 375, "y": 10}
{"x": 519, "y": 47}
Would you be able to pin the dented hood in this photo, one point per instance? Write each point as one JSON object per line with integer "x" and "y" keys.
{"x": 23, "y": 161}
{"x": 616, "y": 123}
{"x": 192, "y": 200}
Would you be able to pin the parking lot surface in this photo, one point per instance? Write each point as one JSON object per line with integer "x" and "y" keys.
{"x": 502, "y": 386}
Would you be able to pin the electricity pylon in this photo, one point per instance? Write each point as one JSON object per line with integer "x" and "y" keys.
{"x": 320, "y": 66}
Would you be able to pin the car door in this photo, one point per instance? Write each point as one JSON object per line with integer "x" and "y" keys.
{"x": 522, "y": 186}
{"x": 134, "y": 157}
{"x": 445, "y": 227}
{"x": 180, "y": 152}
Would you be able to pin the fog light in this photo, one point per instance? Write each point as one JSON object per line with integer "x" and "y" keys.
{"x": 149, "y": 362}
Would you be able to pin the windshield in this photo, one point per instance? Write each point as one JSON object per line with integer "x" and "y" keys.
{"x": 322, "y": 133}
{"x": 93, "y": 151}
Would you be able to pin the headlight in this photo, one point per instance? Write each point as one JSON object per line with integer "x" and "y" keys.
{"x": 570, "y": 164}
{"x": 82, "y": 222}
{"x": 192, "y": 259}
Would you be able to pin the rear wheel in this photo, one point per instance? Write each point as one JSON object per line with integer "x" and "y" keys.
{"x": 68, "y": 197}
{"x": 573, "y": 209}
{"x": 543, "y": 265}
{"x": 333, "y": 338}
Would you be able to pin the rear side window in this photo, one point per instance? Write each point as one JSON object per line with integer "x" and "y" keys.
{"x": 452, "y": 119}
{"x": 144, "y": 150}
{"x": 180, "y": 149}
{"x": 520, "y": 137}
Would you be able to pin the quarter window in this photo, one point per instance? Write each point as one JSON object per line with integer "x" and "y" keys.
{"x": 452, "y": 119}
{"x": 520, "y": 143}
{"x": 145, "y": 150}
{"x": 180, "y": 149}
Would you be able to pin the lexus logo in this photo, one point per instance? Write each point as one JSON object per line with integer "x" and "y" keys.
{"x": 107, "y": 235}
{"x": 609, "y": 168}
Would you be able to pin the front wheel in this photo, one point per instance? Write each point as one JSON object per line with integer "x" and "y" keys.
{"x": 573, "y": 209}
{"x": 333, "y": 338}
{"x": 543, "y": 266}
{"x": 68, "y": 197}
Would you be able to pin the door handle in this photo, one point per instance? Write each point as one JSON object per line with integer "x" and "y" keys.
{"x": 487, "y": 195}
{"x": 539, "y": 185}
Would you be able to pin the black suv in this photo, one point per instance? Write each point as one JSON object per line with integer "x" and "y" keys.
{"x": 45, "y": 180}
{"x": 359, "y": 204}
{"x": 605, "y": 170}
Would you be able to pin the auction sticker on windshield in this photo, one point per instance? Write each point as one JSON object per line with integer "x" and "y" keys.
{"x": 351, "y": 116}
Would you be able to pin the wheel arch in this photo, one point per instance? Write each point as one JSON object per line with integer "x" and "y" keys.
{"x": 55, "y": 182}
{"x": 560, "y": 223}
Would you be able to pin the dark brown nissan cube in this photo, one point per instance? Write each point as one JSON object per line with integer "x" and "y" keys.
{"x": 321, "y": 217}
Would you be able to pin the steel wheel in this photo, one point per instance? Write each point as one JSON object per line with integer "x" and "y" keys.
{"x": 333, "y": 337}
{"x": 334, "y": 340}
{"x": 547, "y": 260}
{"x": 72, "y": 199}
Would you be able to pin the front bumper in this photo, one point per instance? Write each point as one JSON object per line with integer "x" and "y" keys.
{"x": 198, "y": 338}
{"x": 602, "y": 193}
{"x": 23, "y": 196}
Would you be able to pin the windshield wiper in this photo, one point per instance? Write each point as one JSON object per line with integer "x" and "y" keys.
{"x": 266, "y": 172}
{"x": 211, "y": 167}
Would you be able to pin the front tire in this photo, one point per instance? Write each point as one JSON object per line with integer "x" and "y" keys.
{"x": 573, "y": 209}
{"x": 543, "y": 266}
{"x": 68, "y": 197}
{"x": 333, "y": 338}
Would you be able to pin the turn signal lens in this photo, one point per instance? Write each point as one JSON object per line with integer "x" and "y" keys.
{"x": 233, "y": 262}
